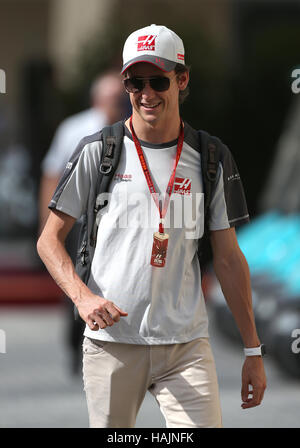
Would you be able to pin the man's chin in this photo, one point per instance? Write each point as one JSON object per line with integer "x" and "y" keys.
{"x": 150, "y": 118}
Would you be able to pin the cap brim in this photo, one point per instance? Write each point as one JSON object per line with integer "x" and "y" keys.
{"x": 164, "y": 64}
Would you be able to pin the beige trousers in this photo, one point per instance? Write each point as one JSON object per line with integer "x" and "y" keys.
{"x": 182, "y": 378}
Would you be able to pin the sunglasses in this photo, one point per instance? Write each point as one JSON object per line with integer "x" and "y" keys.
{"x": 157, "y": 83}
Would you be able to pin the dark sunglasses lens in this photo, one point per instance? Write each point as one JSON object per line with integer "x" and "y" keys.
{"x": 133, "y": 85}
{"x": 160, "y": 84}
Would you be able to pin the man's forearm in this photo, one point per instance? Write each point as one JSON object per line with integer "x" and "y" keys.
{"x": 233, "y": 275}
{"x": 61, "y": 268}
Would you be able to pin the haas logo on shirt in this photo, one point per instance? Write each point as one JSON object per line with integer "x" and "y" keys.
{"x": 146, "y": 43}
{"x": 182, "y": 185}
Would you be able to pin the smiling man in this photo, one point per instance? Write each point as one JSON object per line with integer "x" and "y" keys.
{"x": 146, "y": 322}
{"x": 154, "y": 97}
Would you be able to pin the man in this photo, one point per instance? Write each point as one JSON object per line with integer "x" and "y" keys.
{"x": 143, "y": 305}
{"x": 107, "y": 106}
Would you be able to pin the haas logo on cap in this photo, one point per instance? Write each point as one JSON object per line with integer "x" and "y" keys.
{"x": 146, "y": 43}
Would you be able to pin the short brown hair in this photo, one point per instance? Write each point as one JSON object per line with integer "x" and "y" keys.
{"x": 179, "y": 69}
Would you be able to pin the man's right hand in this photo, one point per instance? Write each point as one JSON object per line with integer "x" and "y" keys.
{"x": 98, "y": 312}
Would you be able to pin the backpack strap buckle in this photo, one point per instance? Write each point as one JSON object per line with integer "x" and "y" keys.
{"x": 105, "y": 168}
{"x": 106, "y": 164}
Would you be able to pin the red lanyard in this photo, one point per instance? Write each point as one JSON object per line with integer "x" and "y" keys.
{"x": 162, "y": 210}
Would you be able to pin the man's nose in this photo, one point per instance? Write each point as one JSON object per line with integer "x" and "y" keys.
{"x": 147, "y": 90}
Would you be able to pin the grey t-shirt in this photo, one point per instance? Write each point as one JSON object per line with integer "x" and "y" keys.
{"x": 164, "y": 305}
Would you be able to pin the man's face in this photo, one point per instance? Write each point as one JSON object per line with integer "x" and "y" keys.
{"x": 150, "y": 105}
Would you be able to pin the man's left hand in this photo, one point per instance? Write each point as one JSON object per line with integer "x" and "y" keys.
{"x": 253, "y": 374}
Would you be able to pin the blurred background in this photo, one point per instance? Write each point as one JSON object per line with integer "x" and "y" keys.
{"x": 60, "y": 58}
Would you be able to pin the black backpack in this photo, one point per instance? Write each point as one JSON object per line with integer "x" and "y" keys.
{"x": 112, "y": 138}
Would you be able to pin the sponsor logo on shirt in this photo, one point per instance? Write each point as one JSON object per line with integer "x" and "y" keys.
{"x": 69, "y": 165}
{"x": 123, "y": 177}
{"x": 146, "y": 43}
{"x": 182, "y": 185}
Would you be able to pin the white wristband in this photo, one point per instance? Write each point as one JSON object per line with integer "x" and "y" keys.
{"x": 253, "y": 351}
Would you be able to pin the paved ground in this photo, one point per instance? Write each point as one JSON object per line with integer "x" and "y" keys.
{"x": 37, "y": 391}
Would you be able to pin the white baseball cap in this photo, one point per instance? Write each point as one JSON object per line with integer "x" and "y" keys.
{"x": 155, "y": 44}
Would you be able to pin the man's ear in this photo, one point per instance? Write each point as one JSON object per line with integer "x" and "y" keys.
{"x": 183, "y": 80}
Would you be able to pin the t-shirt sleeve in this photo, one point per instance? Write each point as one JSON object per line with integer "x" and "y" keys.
{"x": 76, "y": 186}
{"x": 228, "y": 207}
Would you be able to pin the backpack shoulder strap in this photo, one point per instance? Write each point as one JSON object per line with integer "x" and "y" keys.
{"x": 112, "y": 142}
{"x": 210, "y": 151}
{"x": 210, "y": 157}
